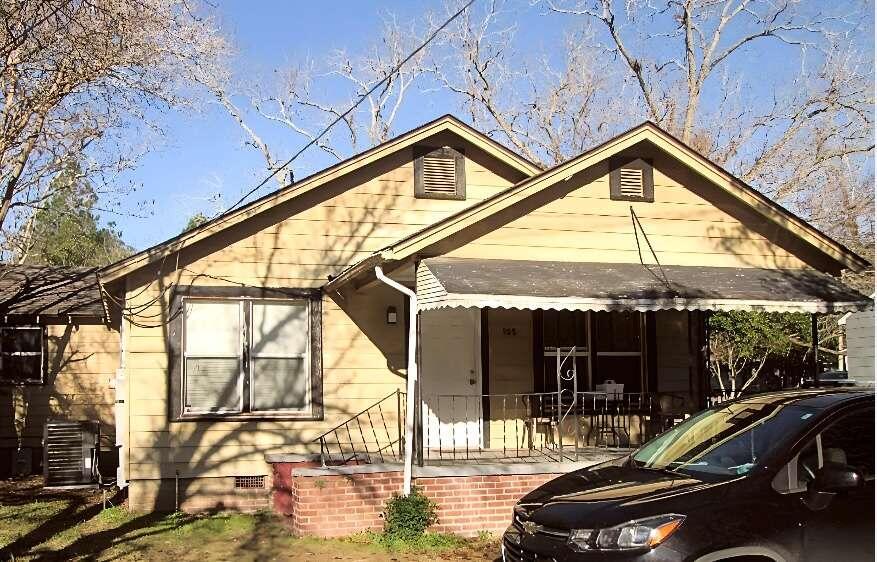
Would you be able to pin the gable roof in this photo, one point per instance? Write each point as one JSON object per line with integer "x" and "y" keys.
{"x": 646, "y": 131}
{"x": 57, "y": 294}
{"x": 446, "y": 123}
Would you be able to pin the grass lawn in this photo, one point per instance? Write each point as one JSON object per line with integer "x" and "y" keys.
{"x": 37, "y": 525}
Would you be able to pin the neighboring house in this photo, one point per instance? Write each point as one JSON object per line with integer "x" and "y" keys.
{"x": 859, "y": 338}
{"x": 548, "y": 315}
{"x": 58, "y": 359}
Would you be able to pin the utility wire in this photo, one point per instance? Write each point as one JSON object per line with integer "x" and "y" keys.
{"x": 362, "y": 98}
{"x": 663, "y": 278}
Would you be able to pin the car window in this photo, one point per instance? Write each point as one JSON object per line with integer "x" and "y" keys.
{"x": 726, "y": 441}
{"x": 848, "y": 440}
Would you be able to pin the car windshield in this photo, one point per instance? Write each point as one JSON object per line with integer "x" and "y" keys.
{"x": 726, "y": 441}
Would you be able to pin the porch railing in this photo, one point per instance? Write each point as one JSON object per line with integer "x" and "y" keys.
{"x": 549, "y": 425}
{"x": 373, "y": 435}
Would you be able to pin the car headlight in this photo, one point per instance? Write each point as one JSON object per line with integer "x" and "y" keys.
{"x": 636, "y": 534}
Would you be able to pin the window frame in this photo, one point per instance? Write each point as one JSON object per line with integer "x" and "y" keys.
{"x": 251, "y": 356}
{"x": 459, "y": 174}
{"x": 245, "y": 297}
{"x": 43, "y": 353}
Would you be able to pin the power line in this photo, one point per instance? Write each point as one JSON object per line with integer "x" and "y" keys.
{"x": 362, "y": 98}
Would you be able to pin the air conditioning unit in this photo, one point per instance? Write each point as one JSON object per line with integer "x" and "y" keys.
{"x": 70, "y": 453}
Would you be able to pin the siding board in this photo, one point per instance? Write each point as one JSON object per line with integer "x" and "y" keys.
{"x": 363, "y": 357}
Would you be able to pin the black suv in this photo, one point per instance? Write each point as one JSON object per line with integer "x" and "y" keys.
{"x": 782, "y": 476}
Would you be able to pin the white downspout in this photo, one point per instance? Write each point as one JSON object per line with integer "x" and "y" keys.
{"x": 412, "y": 376}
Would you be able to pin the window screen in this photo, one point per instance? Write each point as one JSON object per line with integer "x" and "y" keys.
{"x": 212, "y": 353}
{"x": 279, "y": 356}
{"x": 21, "y": 355}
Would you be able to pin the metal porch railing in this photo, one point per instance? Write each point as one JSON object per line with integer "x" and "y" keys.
{"x": 550, "y": 425}
{"x": 375, "y": 434}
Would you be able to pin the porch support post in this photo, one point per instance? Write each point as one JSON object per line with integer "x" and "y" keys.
{"x": 412, "y": 376}
{"x": 814, "y": 348}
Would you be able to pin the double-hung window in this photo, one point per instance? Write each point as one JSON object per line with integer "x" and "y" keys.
{"x": 248, "y": 357}
{"x": 21, "y": 355}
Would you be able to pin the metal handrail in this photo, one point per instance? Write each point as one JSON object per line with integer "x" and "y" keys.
{"x": 362, "y": 424}
{"x": 590, "y": 419}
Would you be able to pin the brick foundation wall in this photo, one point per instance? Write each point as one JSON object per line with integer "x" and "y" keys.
{"x": 341, "y": 504}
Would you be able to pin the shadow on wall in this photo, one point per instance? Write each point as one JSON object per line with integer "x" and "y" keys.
{"x": 79, "y": 365}
{"x": 216, "y": 447}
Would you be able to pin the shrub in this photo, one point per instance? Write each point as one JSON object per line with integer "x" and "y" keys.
{"x": 407, "y": 517}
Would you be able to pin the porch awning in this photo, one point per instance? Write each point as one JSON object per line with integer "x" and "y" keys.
{"x": 458, "y": 282}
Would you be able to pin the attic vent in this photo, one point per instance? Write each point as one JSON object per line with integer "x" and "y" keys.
{"x": 631, "y": 179}
{"x": 439, "y": 173}
{"x": 249, "y": 482}
{"x": 631, "y": 182}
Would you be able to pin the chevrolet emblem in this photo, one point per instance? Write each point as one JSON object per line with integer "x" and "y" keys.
{"x": 531, "y": 528}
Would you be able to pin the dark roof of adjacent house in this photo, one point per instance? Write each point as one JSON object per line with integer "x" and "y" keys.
{"x": 464, "y": 282}
{"x": 51, "y": 292}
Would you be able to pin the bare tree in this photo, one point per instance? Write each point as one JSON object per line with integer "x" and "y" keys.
{"x": 821, "y": 123}
{"x": 546, "y": 113}
{"x": 80, "y": 79}
{"x": 294, "y": 98}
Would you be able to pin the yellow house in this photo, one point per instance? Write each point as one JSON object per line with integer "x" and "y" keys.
{"x": 59, "y": 352}
{"x": 439, "y": 300}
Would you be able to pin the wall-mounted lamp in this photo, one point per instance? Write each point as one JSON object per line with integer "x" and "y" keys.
{"x": 392, "y": 316}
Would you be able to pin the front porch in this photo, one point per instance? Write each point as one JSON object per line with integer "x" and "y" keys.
{"x": 533, "y": 362}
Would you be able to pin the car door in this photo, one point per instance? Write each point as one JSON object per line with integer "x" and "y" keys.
{"x": 844, "y": 530}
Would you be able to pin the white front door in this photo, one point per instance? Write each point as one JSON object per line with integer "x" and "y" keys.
{"x": 450, "y": 378}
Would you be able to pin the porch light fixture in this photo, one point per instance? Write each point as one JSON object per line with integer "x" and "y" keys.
{"x": 392, "y": 316}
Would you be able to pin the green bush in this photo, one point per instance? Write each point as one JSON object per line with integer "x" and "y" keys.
{"x": 407, "y": 517}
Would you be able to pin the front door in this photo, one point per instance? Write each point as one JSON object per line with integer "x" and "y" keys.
{"x": 450, "y": 378}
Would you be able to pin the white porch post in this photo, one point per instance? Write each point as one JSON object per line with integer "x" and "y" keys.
{"x": 412, "y": 376}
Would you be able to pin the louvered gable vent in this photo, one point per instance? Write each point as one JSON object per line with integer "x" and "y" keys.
{"x": 631, "y": 179}
{"x": 439, "y": 173}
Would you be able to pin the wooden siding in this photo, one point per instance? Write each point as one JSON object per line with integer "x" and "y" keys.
{"x": 860, "y": 346}
{"x": 363, "y": 356}
{"x": 82, "y": 361}
{"x": 510, "y": 334}
{"x": 689, "y": 223}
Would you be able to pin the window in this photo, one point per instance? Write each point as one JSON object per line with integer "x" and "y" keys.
{"x": 723, "y": 442}
{"x": 631, "y": 179}
{"x": 618, "y": 348}
{"x": 21, "y": 355}
{"x": 439, "y": 173}
{"x": 608, "y": 346}
{"x": 849, "y": 440}
{"x": 563, "y": 330}
{"x": 247, "y": 357}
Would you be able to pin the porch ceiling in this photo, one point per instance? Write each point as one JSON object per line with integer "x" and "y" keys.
{"x": 456, "y": 282}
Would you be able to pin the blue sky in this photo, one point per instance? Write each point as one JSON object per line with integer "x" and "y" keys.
{"x": 204, "y": 153}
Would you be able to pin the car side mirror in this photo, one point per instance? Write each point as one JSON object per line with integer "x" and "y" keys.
{"x": 831, "y": 479}
{"x": 834, "y": 477}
